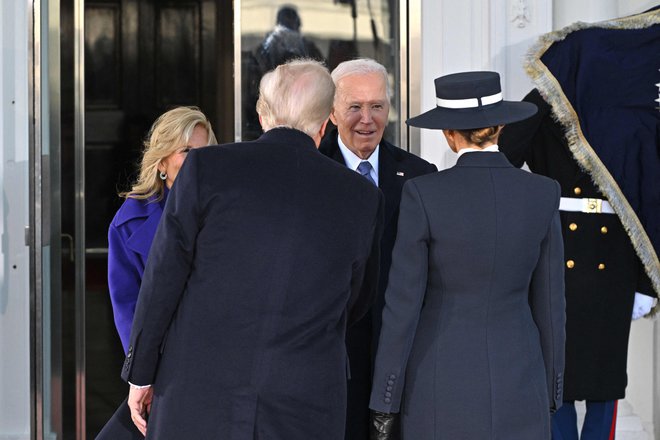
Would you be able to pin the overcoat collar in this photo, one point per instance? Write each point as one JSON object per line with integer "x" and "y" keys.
{"x": 142, "y": 236}
{"x": 483, "y": 159}
{"x": 292, "y": 137}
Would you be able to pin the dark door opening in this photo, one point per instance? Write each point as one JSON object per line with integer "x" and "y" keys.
{"x": 142, "y": 57}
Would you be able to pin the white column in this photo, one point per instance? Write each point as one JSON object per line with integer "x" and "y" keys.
{"x": 14, "y": 256}
{"x": 641, "y": 379}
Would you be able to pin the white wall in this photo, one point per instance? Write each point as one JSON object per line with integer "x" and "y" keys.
{"x": 476, "y": 35}
{"x": 14, "y": 257}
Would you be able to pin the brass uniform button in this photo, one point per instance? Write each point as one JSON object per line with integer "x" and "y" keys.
{"x": 570, "y": 264}
{"x": 577, "y": 190}
{"x": 603, "y": 230}
{"x": 601, "y": 266}
{"x": 572, "y": 226}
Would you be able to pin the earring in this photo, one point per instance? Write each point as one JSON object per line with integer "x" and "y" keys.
{"x": 163, "y": 175}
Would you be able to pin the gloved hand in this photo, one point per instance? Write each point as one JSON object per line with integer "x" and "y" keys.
{"x": 642, "y": 306}
{"x": 382, "y": 426}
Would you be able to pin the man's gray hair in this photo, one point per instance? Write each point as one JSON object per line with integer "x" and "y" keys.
{"x": 297, "y": 94}
{"x": 360, "y": 66}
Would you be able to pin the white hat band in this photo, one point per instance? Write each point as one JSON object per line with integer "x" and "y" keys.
{"x": 469, "y": 103}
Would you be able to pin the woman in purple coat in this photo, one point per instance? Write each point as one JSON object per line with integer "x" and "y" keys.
{"x": 132, "y": 229}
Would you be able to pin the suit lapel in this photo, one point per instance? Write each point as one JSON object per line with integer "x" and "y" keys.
{"x": 388, "y": 180}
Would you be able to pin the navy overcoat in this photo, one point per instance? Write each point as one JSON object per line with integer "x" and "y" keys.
{"x": 264, "y": 253}
{"x": 472, "y": 340}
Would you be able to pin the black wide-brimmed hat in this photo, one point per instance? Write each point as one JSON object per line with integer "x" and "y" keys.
{"x": 470, "y": 100}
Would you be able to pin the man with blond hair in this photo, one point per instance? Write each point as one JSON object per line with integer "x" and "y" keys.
{"x": 265, "y": 252}
{"x": 360, "y": 112}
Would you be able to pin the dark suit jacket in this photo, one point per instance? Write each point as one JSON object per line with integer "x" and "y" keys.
{"x": 255, "y": 270}
{"x": 396, "y": 166}
{"x": 473, "y": 326}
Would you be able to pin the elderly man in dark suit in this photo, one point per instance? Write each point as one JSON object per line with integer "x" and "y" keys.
{"x": 360, "y": 112}
{"x": 257, "y": 267}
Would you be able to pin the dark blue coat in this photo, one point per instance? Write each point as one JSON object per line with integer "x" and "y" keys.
{"x": 472, "y": 339}
{"x": 265, "y": 251}
{"x": 129, "y": 239}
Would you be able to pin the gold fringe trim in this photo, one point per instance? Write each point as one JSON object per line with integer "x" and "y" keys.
{"x": 583, "y": 153}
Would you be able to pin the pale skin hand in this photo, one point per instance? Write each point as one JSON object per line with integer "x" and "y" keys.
{"x": 139, "y": 402}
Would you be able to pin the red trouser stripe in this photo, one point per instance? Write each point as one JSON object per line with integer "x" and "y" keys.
{"x": 613, "y": 426}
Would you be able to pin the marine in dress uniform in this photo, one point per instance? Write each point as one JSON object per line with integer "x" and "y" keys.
{"x": 602, "y": 271}
{"x": 596, "y": 133}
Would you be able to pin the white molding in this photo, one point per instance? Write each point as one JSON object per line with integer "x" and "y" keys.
{"x": 474, "y": 35}
{"x": 510, "y": 42}
{"x": 520, "y": 14}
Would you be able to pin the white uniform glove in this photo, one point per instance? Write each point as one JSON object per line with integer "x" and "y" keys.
{"x": 642, "y": 306}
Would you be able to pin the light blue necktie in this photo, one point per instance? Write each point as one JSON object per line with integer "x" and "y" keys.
{"x": 365, "y": 169}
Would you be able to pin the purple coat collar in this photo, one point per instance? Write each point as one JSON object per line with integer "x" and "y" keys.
{"x": 150, "y": 210}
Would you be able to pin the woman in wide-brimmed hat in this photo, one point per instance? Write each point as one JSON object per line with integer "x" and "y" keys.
{"x": 472, "y": 342}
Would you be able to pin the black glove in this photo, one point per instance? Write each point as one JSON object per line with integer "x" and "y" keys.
{"x": 382, "y": 426}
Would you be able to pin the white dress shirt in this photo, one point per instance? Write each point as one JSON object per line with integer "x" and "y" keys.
{"x": 488, "y": 149}
{"x": 353, "y": 161}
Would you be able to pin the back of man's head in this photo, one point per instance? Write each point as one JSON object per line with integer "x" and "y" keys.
{"x": 298, "y": 95}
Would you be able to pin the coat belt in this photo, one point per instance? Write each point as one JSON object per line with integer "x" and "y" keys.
{"x": 591, "y": 206}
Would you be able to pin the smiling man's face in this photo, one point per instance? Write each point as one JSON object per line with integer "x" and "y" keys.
{"x": 360, "y": 112}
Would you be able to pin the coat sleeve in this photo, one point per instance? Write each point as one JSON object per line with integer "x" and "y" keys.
{"x": 165, "y": 276}
{"x": 403, "y": 302}
{"x": 123, "y": 281}
{"x": 517, "y": 138}
{"x": 364, "y": 280}
{"x": 548, "y": 306}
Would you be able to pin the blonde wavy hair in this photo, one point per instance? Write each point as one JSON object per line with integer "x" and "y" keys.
{"x": 171, "y": 131}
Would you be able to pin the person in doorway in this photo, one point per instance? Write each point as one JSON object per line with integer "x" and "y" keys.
{"x": 259, "y": 264}
{"x": 132, "y": 230}
{"x": 472, "y": 339}
{"x": 360, "y": 112}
